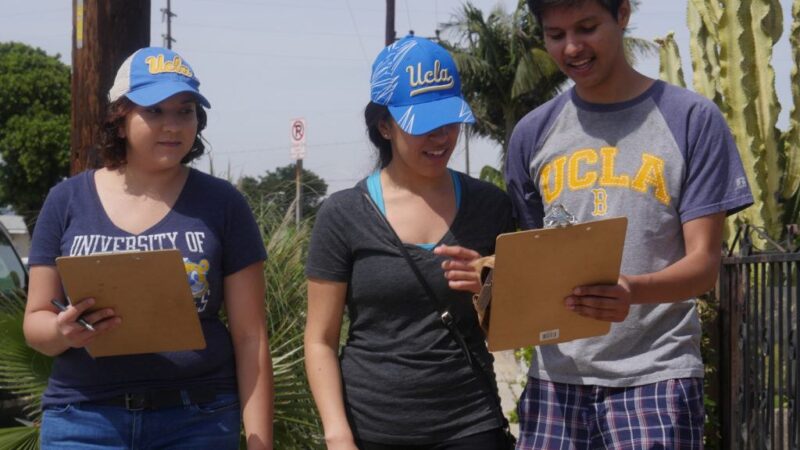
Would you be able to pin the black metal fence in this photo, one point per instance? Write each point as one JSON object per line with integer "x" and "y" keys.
{"x": 759, "y": 359}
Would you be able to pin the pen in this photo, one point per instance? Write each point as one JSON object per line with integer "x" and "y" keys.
{"x": 80, "y": 320}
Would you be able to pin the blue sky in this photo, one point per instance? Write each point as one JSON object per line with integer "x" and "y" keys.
{"x": 264, "y": 62}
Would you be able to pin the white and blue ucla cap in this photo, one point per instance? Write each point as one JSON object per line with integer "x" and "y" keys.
{"x": 418, "y": 81}
{"x": 153, "y": 74}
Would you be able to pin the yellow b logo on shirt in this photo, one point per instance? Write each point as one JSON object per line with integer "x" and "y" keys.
{"x": 600, "y": 202}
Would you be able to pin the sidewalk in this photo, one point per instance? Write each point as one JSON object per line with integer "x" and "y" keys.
{"x": 510, "y": 382}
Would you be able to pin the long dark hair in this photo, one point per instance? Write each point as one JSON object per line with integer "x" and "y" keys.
{"x": 374, "y": 114}
{"x": 113, "y": 147}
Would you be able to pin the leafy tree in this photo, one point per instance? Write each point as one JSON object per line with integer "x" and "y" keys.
{"x": 278, "y": 187}
{"x": 34, "y": 126}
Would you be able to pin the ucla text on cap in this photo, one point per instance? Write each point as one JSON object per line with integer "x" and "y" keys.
{"x": 157, "y": 64}
{"x": 431, "y": 77}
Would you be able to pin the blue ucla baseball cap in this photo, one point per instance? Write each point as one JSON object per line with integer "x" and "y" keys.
{"x": 418, "y": 81}
{"x": 153, "y": 74}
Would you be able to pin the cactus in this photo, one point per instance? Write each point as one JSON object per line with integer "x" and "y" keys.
{"x": 731, "y": 51}
{"x": 791, "y": 138}
{"x": 671, "y": 70}
{"x": 705, "y": 56}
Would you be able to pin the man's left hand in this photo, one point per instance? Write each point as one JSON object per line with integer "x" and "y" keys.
{"x": 602, "y": 302}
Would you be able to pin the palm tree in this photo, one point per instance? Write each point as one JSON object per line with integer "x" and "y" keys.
{"x": 297, "y": 425}
{"x": 24, "y": 372}
{"x": 505, "y": 70}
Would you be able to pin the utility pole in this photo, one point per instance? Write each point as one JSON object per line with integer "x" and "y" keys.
{"x": 390, "y": 33}
{"x": 104, "y": 34}
{"x": 167, "y": 14}
{"x": 298, "y": 192}
{"x": 298, "y": 152}
{"x": 466, "y": 145}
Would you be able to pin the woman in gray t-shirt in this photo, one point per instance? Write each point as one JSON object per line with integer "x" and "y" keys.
{"x": 402, "y": 379}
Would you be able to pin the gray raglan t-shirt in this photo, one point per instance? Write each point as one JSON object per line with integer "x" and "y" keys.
{"x": 660, "y": 160}
{"x": 405, "y": 378}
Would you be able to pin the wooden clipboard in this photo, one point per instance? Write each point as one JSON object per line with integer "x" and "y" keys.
{"x": 536, "y": 269}
{"x": 148, "y": 290}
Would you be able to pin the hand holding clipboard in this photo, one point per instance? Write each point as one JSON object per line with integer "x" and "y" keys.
{"x": 148, "y": 290}
{"x": 536, "y": 270}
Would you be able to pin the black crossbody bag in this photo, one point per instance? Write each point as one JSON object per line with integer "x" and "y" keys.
{"x": 449, "y": 322}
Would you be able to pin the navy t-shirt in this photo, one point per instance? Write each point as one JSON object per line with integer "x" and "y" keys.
{"x": 214, "y": 229}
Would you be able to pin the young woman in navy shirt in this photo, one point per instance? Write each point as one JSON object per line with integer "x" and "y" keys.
{"x": 146, "y": 198}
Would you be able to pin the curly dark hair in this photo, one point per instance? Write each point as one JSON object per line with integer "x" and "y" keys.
{"x": 537, "y": 7}
{"x": 374, "y": 114}
{"x": 113, "y": 147}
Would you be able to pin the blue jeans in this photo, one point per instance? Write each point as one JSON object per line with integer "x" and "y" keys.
{"x": 212, "y": 425}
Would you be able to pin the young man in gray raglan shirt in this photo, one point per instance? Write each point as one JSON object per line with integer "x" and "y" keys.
{"x": 621, "y": 144}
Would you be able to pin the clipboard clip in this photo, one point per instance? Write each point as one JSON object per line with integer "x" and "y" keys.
{"x": 558, "y": 217}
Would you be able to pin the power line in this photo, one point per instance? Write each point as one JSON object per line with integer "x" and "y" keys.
{"x": 271, "y": 55}
{"x": 36, "y": 13}
{"x": 273, "y": 4}
{"x": 284, "y": 5}
{"x": 266, "y": 32}
{"x": 355, "y": 27}
{"x": 339, "y": 180}
{"x": 408, "y": 14}
{"x": 286, "y": 147}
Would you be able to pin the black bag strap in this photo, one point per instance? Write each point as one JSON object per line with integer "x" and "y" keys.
{"x": 447, "y": 319}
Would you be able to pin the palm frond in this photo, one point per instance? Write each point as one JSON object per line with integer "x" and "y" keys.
{"x": 19, "y": 438}
{"x": 23, "y": 371}
{"x": 476, "y": 66}
{"x": 639, "y": 47}
{"x": 494, "y": 176}
{"x": 536, "y": 69}
{"x": 296, "y": 424}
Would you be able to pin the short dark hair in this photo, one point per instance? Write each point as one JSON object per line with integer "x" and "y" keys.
{"x": 374, "y": 114}
{"x": 113, "y": 148}
{"x": 537, "y": 7}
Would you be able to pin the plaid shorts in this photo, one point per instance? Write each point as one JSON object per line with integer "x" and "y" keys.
{"x": 664, "y": 415}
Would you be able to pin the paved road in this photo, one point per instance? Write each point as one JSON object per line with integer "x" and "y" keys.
{"x": 510, "y": 381}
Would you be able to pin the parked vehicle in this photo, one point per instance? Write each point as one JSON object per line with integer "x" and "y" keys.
{"x": 13, "y": 275}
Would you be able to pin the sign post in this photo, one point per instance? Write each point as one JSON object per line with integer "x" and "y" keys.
{"x": 104, "y": 34}
{"x": 298, "y": 152}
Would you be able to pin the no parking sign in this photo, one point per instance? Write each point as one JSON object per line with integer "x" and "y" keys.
{"x": 298, "y": 134}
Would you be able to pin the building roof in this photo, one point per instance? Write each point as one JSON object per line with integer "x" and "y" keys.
{"x": 14, "y": 224}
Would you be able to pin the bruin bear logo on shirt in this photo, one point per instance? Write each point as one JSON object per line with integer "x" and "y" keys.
{"x": 198, "y": 282}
